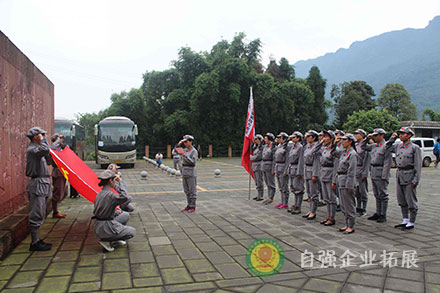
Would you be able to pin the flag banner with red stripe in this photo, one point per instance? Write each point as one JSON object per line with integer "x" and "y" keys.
{"x": 248, "y": 136}
{"x": 79, "y": 175}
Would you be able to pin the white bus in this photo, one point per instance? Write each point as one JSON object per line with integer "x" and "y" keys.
{"x": 115, "y": 141}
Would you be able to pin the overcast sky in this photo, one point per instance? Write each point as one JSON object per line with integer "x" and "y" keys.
{"x": 91, "y": 49}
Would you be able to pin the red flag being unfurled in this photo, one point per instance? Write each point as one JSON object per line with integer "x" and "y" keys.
{"x": 248, "y": 137}
{"x": 79, "y": 175}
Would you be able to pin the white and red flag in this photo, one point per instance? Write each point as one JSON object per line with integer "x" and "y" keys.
{"x": 248, "y": 136}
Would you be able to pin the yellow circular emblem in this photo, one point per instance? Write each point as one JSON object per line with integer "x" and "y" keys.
{"x": 265, "y": 257}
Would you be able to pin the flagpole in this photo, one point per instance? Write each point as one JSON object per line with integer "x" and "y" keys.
{"x": 250, "y": 167}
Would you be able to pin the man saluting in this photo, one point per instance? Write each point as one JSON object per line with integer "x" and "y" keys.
{"x": 189, "y": 172}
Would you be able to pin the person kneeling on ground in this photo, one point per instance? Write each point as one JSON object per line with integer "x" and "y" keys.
{"x": 110, "y": 229}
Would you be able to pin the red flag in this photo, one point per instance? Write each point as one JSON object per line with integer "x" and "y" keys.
{"x": 80, "y": 176}
{"x": 248, "y": 137}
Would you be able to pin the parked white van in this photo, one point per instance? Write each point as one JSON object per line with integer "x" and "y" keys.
{"x": 426, "y": 144}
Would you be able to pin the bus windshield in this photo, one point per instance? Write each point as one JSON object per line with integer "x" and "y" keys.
{"x": 119, "y": 136}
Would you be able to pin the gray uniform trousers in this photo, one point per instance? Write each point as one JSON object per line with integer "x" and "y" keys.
{"x": 297, "y": 188}
{"x": 380, "y": 191}
{"x": 312, "y": 190}
{"x": 177, "y": 162}
{"x": 329, "y": 198}
{"x": 122, "y": 218}
{"x": 407, "y": 200}
{"x": 361, "y": 193}
{"x": 269, "y": 179}
{"x": 37, "y": 214}
{"x": 259, "y": 183}
{"x": 348, "y": 206}
{"x": 283, "y": 185}
{"x": 190, "y": 189}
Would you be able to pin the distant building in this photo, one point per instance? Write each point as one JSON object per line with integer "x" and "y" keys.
{"x": 423, "y": 128}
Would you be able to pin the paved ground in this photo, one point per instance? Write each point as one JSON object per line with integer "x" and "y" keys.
{"x": 205, "y": 251}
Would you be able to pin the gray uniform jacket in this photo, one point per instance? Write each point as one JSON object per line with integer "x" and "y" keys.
{"x": 37, "y": 158}
{"x": 347, "y": 169}
{"x": 311, "y": 160}
{"x": 280, "y": 158}
{"x": 364, "y": 161}
{"x": 56, "y": 171}
{"x": 408, "y": 161}
{"x": 257, "y": 157}
{"x": 268, "y": 161}
{"x": 328, "y": 161}
{"x": 295, "y": 160}
{"x": 380, "y": 159}
{"x": 105, "y": 204}
{"x": 189, "y": 163}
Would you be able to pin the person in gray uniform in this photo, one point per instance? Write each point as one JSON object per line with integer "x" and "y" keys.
{"x": 295, "y": 170}
{"x": 189, "y": 172}
{"x": 268, "y": 166}
{"x": 409, "y": 168}
{"x": 126, "y": 206}
{"x": 346, "y": 178}
{"x": 311, "y": 172}
{"x": 338, "y": 141}
{"x": 327, "y": 175}
{"x": 280, "y": 158}
{"x": 111, "y": 231}
{"x": 362, "y": 170}
{"x": 256, "y": 158}
{"x": 37, "y": 158}
{"x": 380, "y": 172}
{"x": 58, "y": 179}
{"x": 176, "y": 159}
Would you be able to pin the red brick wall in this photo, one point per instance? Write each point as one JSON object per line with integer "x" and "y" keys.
{"x": 26, "y": 100}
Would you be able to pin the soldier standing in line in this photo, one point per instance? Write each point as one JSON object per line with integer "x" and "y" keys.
{"x": 37, "y": 158}
{"x": 327, "y": 175}
{"x": 268, "y": 166}
{"x": 176, "y": 159}
{"x": 280, "y": 158}
{"x": 346, "y": 178}
{"x": 256, "y": 158}
{"x": 58, "y": 179}
{"x": 110, "y": 229}
{"x": 339, "y": 149}
{"x": 409, "y": 170}
{"x": 189, "y": 172}
{"x": 311, "y": 172}
{"x": 362, "y": 170}
{"x": 380, "y": 172}
{"x": 295, "y": 170}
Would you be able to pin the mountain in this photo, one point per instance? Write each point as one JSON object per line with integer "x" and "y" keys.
{"x": 410, "y": 57}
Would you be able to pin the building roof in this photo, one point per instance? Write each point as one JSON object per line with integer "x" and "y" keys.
{"x": 421, "y": 124}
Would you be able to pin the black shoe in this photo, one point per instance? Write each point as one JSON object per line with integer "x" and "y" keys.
{"x": 374, "y": 217}
{"x": 255, "y": 198}
{"x": 338, "y": 208}
{"x": 362, "y": 213}
{"x": 40, "y": 246}
{"x": 407, "y": 228}
{"x": 381, "y": 219}
{"x": 259, "y": 199}
{"x": 399, "y": 225}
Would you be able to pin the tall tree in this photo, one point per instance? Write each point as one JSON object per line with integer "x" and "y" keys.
{"x": 369, "y": 120}
{"x": 317, "y": 84}
{"x": 397, "y": 101}
{"x": 351, "y": 97}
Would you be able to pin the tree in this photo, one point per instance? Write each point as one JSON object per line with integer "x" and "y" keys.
{"x": 351, "y": 97}
{"x": 317, "y": 84}
{"x": 369, "y": 120}
{"x": 397, "y": 101}
{"x": 433, "y": 115}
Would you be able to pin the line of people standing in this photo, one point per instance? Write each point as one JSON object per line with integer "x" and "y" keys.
{"x": 335, "y": 166}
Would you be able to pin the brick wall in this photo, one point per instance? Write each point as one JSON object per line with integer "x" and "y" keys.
{"x": 26, "y": 100}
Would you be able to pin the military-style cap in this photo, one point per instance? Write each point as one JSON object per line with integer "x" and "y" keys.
{"x": 406, "y": 130}
{"x": 329, "y": 132}
{"x": 107, "y": 174}
{"x": 35, "y": 131}
{"x": 270, "y": 136}
{"x": 360, "y": 131}
{"x": 188, "y": 137}
{"x": 379, "y": 131}
{"x": 321, "y": 133}
{"x": 258, "y": 136}
{"x": 312, "y": 133}
{"x": 283, "y": 135}
{"x": 349, "y": 136}
{"x": 298, "y": 134}
{"x": 337, "y": 131}
{"x": 113, "y": 166}
{"x": 55, "y": 137}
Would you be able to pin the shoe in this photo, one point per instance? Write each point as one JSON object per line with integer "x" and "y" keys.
{"x": 306, "y": 199}
{"x": 296, "y": 211}
{"x": 59, "y": 215}
{"x": 349, "y": 232}
{"x": 259, "y": 199}
{"x": 192, "y": 210}
{"x": 374, "y": 217}
{"x": 330, "y": 223}
{"x": 381, "y": 219}
{"x": 269, "y": 201}
{"x": 107, "y": 246}
{"x": 255, "y": 198}
{"x": 342, "y": 229}
{"x": 408, "y": 228}
{"x": 278, "y": 206}
{"x": 323, "y": 221}
{"x": 311, "y": 218}
{"x": 119, "y": 243}
{"x": 401, "y": 225}
{"x": 185, "y": 209}
{"x": 40, "y": 246}
{"x": 285, "y": 206}
{"x": 291, "y": 209}
{"x": 306, "y": 215}
{"x": 338, "y": 208}
{"x": 362, "y": 213}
